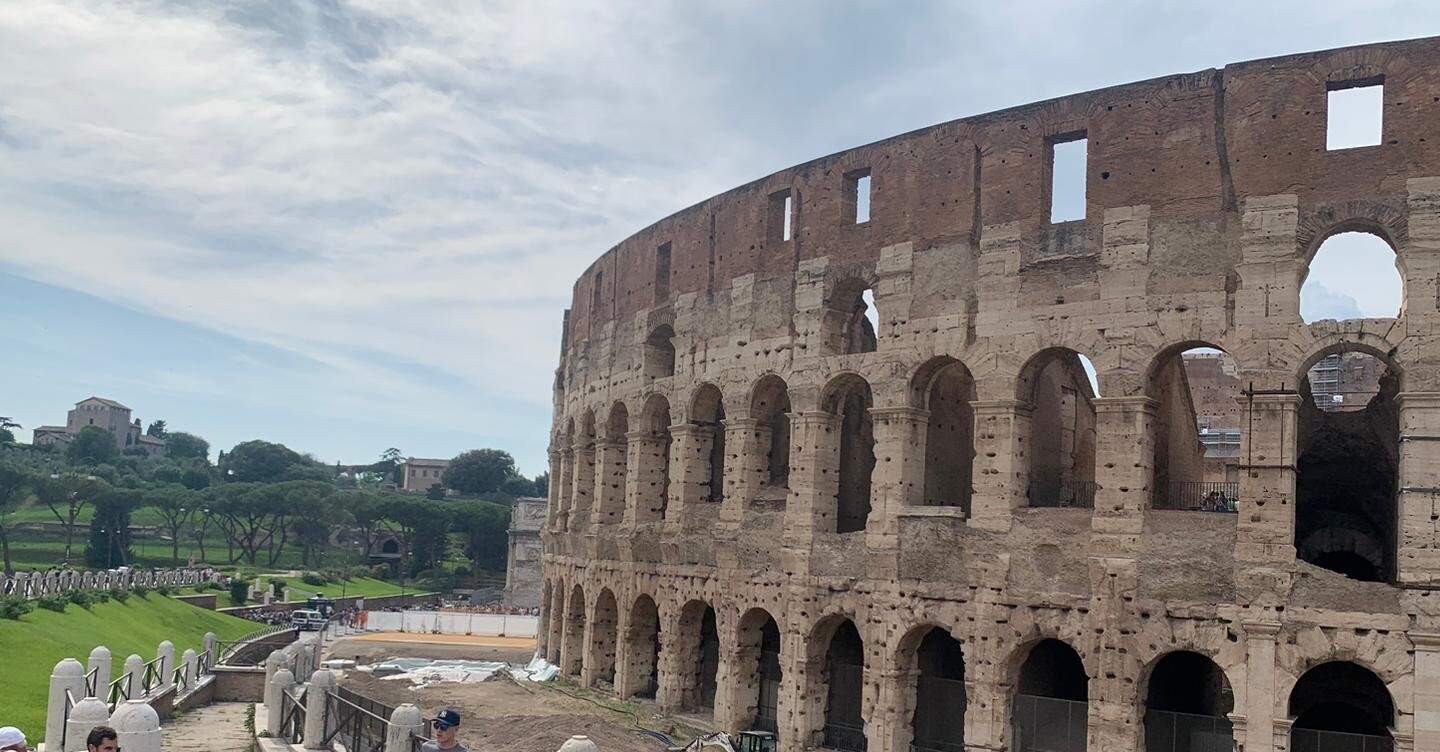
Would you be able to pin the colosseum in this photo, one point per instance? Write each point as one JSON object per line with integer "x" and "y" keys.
{"x": 828, "y": 462}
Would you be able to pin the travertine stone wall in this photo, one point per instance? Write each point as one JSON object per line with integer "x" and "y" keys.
{"x": 1207, "y": 195}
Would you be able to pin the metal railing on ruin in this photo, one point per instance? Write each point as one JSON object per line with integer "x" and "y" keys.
{"x": 1063, "y": 493}
{"x": 358, "y": 723}
{"x": 228, "y": 648}
{"x": 1049, "y": 724}
{"x": 292, "y": 717}
{"x": 1312, "y": 740}
{"x": 845, "y": 737}
{"x": 1199, "y": 496}
{"x": 1169, "y": 731}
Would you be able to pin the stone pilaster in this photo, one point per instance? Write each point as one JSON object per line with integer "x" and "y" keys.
{"x": 987, "y": 714}
{"x": 689, "y": 475}
{"x": 1261, "y": 727}
{"x": 1418, "y": 561}
{"x": 1124, "y": 473}
{"x": 565, "y": 483}
{"x": 553, "y": 493}
{"x": 1427, "y": 689}
{"x": 899, "y": 477}
{"x": 611, "y": 465}
{"x": 1002, "y": 462}
{"x": 814, "y": 476}
{"x": 890, "y": 727}
{"x": 745, "y": 467}
{"x": 646, "y": 478}
{"x": 584, "y": 486}
{"x": 1265, "y": 534}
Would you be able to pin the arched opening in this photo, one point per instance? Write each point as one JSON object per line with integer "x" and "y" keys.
{"x": 1347, "y": 470}
{"x": 642, "y": 650}
{"x": 939, "y": 722}
{"x": 852, "y": 319}
{"x": 1058, "y": 387}
{"x": 945, "y": 388}
{"x": 1197, "y": 429}
{"x": 770, "y": 407}
{"x": 844, "y": 688}
{"x": 602, "y": 639}
{"x": 1341, "y": 706}
{"x": 390, "y": 547}
{"x": 1354, "y": 274}
{"x": 659, "y": 354}
{"x": 707, "y": 414}
{"x": 1051, "y": 700}
{"x": 758, "y": 653}
{"x": 613, "y": 466}
{"x": 653, "y": 453}
{"x": 1187, "y": 704}
{"x": 572, "y": 654}
{"x": 699, "y": 655}
{"x": 848, "y": 398}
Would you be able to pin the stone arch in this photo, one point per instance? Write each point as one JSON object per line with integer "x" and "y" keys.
{"x": 931, "y": 705}
{"x": 697, "y": 655}
{"x": 1197, "y": 427}
{"x": 572, "y": 651}
{"x": 600, "y": 653}
{"x": 658, "y": 352}
{"x": 848, "y": 399}
{"x": 835, "y": 681}
{"x": 639, "y": 672}
{"x": 1186, "y": 699}
{"x": 1062, "y": 428}
{"x": 758, "y": 671}
{"x": 1387, "y": 225}
{"x": 612, "y": 466}
{"x": 847, "y": 327}
{"x": 944, "y": 387}
{"x": 556, "y": 609}
{"x": 770, "y": 408}
{"x": 584, "y": 484}
{"x": 707, "y": 418}
{"x": 652, "y": 454}
{"x": 1050, "y": 705}
{"x": 1337, "y": 698}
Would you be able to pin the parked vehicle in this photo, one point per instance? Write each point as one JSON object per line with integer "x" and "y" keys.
{"x": 306, "y": 619}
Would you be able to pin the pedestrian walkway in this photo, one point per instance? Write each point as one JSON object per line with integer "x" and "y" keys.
{"x": 213, "y": 728}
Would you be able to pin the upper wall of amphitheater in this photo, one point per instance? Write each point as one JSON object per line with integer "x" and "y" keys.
{"x": 1206, "y": 195}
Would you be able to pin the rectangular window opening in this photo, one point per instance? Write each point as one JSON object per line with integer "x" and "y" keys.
{"x": 789, "y": 208}
{"x": 855, "y": 198}
{"x": 1067, "y": 177}
{"x": 862, "y": 199}
{"x": 662, "y": 273}
{"x": 782, "y": 206}
{"x": 596, "y": 298}
{"x": 1354, "y": 114}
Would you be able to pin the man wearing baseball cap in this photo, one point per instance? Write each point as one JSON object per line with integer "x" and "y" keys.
{"x": 446, "y": 724}
{"x": 11, "y": 740}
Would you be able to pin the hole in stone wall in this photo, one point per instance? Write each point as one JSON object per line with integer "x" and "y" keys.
{"x": 1354, "y": 275}
{"x": 659, "y": 354}
{"x": 855, "y": 200}
{"x": 1354, "y": 114}
{"x": 1067, "y": 177}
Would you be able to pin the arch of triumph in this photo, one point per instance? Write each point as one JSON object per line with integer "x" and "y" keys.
{"x": 929, "y": 532}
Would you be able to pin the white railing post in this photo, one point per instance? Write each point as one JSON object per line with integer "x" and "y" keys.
{"x": 275, "y": 688}
{"x": 87, "y": 714}
{"x": 68, "y": 675}
{"x": 405, "y": 722}
{"x": 322, "y": 683}
{"x": 99, "y": 665}
{"x": 578, "y": 744}
{"x": 188, "y": 666}
{"x": 165, "y": 651}
{"x": 137, "y": 726}
{"x": 132, "y": 678}
{"x": 212, "y": 648}
{"x": 272, "y": 664}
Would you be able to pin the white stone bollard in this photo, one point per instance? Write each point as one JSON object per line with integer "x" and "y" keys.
{"x": 68, "y": 675}
{"x": 321, "y": 685}
{"x": 405, "y": 722}
{"x": 211, "y": 646}
{"x": 99, "y": 664}
{"x": 87, "y": 714}
{"x": 165, "y": 651}
{"x": 578, "y": 744}
{"x": 278, "y": 684}
{"x": 137, "y": 726}
{"x": 273, "y": 662}
{"x": 134, "y": 674}
{"x": 188, "y": 674}
{"x": 265, "y": 598}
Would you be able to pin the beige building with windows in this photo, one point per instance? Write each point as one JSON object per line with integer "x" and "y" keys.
{"x": 933, "y": 535}
{"x": 101, "y": 413}
{"x": 420, "y": 474}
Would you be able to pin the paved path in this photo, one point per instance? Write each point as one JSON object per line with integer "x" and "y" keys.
{"x": 214, "y": 728}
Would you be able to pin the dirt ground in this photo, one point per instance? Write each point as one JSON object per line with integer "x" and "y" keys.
{"x": 505, "y": 715}
{"x": 368, "y": 649}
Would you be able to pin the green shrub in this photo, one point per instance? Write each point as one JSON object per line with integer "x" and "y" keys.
{"x": 54, "y": 602}
{"x": 12, "y": 607}
{"x": 165, "y": 590}
{"x": 239, "y": 591}
{"x": 100, "y": 596}
{"x": 380, "y": 572}
{"x": 462, "y": 571}
{"x": 121, "y": 595}
{"x": 81, "y": 598}
{"x": 141, "y": 590}
{"x": 310, "y": 578}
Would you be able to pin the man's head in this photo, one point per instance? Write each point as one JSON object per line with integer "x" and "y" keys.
{"x": 11, "y": 740}
{"x": 101, "y": 739}
{"x": 447, "y": 727}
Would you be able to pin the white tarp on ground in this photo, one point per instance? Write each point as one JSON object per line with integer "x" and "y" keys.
{"x": 424, "y": 671}
{"x": 537, "y": 670}
{"x": 445, "y": 622}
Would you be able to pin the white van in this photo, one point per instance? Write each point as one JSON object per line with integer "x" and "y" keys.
{"x": 306, "y": 619}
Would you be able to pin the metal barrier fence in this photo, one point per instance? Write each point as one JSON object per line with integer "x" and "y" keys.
{"x": 845, "y": 737}
{"x": 228, "y": 648}
{"x": 1047, "y": 724}
{"x": 1062, "y": 493}
{"x": 1312, "y": 740}
{"x": 1199, "y": 496}
{"x": 353, "y": 721}
{"x": 292, "y": 717}
{"x": 1167, "y": 731}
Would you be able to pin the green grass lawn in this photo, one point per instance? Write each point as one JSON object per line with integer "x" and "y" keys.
{"x": 33, "y": 645}
{"x": 366, "y": 586}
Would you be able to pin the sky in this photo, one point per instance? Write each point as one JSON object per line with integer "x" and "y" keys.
{"x": 348, "y": 226}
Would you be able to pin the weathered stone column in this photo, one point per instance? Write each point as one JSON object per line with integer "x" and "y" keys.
{"x": 1265, "y": 532}
{"x": 736, "y": 683}
{"x": 890, "y": 725}
{"x": 584, "y": 485}
{"x": 987, "y": 714}
{"x": 553, "y": 493}
{"x": 794, "y": 705}
{"x": 1002, "y": 462}
{"x": 745, "y": 467}
{"x": 134, "y": 673}
{"x": 670, "y": 692}
{"x": 689, "y": 475}
{"x": 99, "y": 665}
{"x": 566, "y": 483}
{"x": 899, "y": 477}
{"x": 1124, "y": 473}
{"x": 1418, "y": 560}
{"x": 275, "y": 688}
{"x": 322, "y": 683}
{"x": 646, "y": 478}
{"x": 1260, "y": 727}
{"x": 610, "y": 485}
{"x": 166, "y": 653}
{"x": 556, "y": 624}
{"x": 814, "y": 476}
{"x": 68, "y": 676}
{"x": 572, "y": 644}
{"x": 405, "y": 722}
{"x": 1427, "y": 689}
